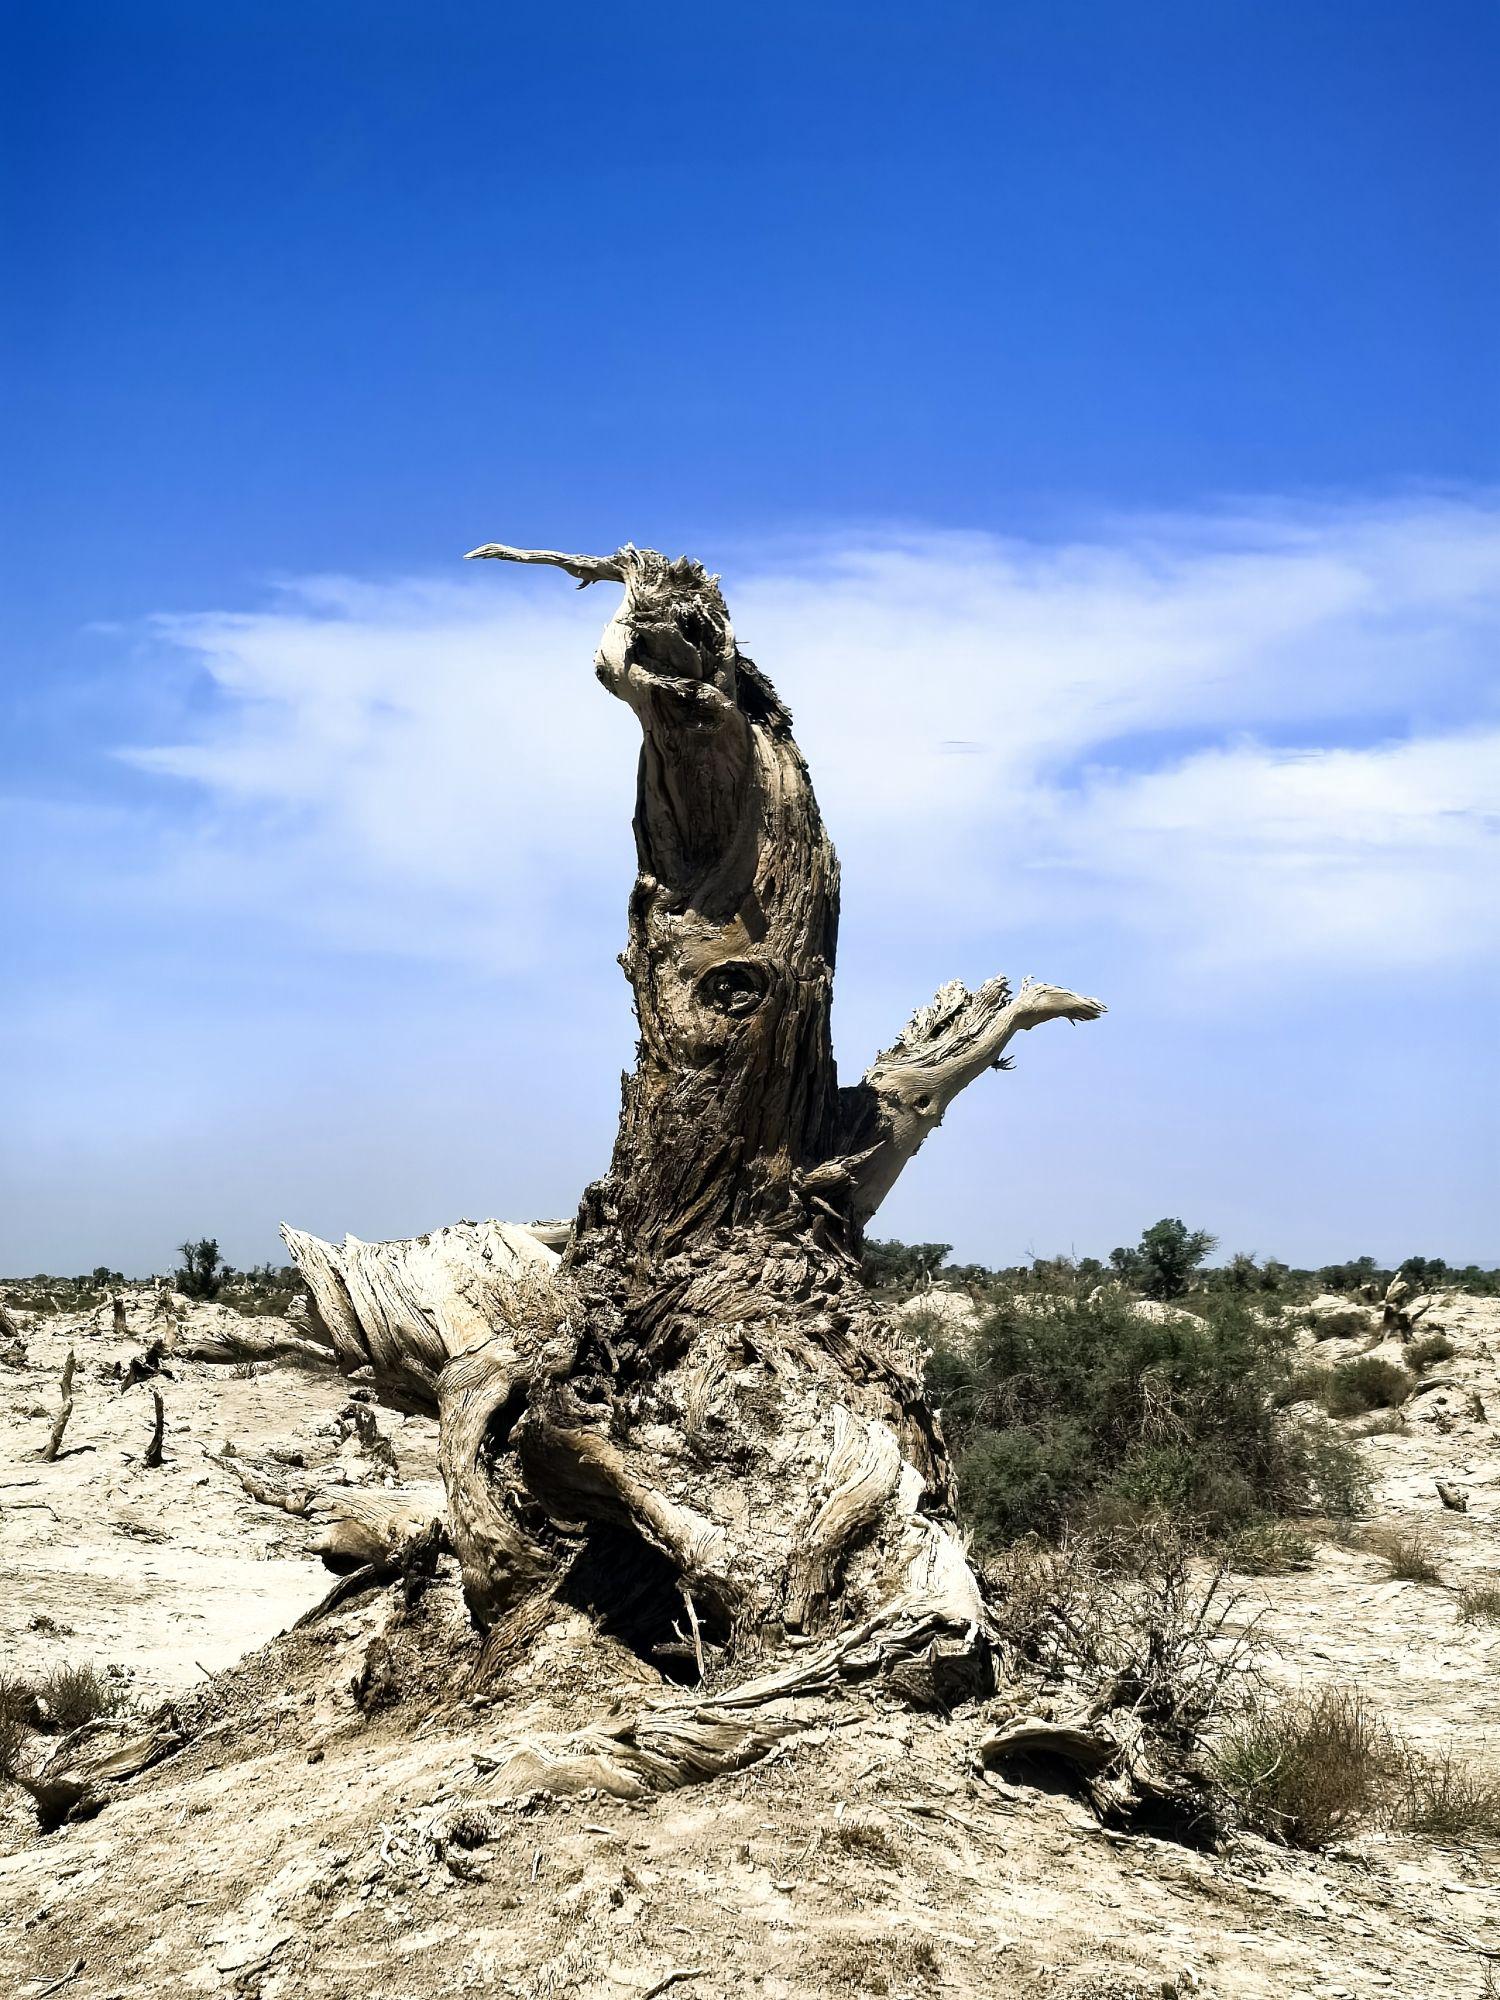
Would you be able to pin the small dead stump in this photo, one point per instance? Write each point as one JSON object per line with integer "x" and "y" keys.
{"x": 60, "y": 1422}
{"x": 153, "y": 1450}
{"x": 143, "y": 1365}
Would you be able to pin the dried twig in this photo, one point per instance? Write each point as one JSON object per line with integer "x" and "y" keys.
{"x": 692, "y": 1612}
{"x": 671, "y": 1978}
{"x": 67, "y": 1979}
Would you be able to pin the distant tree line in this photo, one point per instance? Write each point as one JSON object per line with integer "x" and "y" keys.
{"x": 1169, "y": 1261}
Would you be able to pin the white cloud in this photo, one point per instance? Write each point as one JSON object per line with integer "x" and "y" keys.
{"x": 1385, "y": 857}
{"x": 1264, "y": 738}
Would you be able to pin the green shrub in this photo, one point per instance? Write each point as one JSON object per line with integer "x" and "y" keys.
{"x": 1481, "y": 1605}
{"x": 1431, "y": 1347}
{"x": 1351, "y": 1276}
{"x": 1269, "y": 1548}
{"x": 1333, "y": 1471}
{"x": 1307, "y": 1384}
{"x": 1303, "y": 1769}
{"x": 1014, "y": 1480}
{"x": 1077, "y": 1410}
{"x": 1339, "y": 1324}
{"x": 891, "y": 1266}
{"x": 1162, "y": 1264}
{"x": 202, "y": 1271}
{"x": 1355, "y": 1387}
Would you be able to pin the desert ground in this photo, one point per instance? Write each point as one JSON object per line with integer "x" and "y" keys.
{"x": 327, "y": 1823}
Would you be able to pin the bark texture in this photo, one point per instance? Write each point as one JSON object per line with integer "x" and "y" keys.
{"x": 697, "y": 1408}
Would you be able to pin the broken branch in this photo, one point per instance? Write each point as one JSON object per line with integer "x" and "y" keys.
{"x": 941, "y": 1050}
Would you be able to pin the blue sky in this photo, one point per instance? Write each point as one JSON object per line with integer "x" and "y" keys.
{"x": 1093, "y": 412}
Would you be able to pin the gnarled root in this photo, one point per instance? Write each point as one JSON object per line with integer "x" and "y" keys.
{"x": 403, "y": 1309}
{"x": 920, "y": 1653}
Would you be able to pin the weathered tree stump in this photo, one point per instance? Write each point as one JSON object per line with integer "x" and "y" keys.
{"x": 65, "y": 1410}
{"x": 158, "y": 1430}
{"x": 699, "y": 1406}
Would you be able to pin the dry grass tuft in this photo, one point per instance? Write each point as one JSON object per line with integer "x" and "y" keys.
{"x": 1408, "y": 1554}
{"x": 1270, "y": 1548}
{"x": 17, "y": 1711}
{"x": 78, "y": 1692}
{"x": 1431, "y": 1347}
{"x": 1446, "y": 1800}
{"x": 1339, "y": 1324}
{"x": 1307, "y": 1769}
{"x": 869, "y": 1840}
{"x": 1481, "y": 1605}
{"x": 1355, "y": 1388}
{"x": 1303, "y": 1770}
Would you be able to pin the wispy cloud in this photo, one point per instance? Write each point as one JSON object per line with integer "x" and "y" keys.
{"x": 1263, "y": 738}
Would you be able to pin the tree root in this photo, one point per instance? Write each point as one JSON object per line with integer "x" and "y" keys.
{"x": 74, "y": 1781}
{"x": 412, "y": 1560}
{"x": 287, "y": 1502}
{"x": 923, "y": 1657}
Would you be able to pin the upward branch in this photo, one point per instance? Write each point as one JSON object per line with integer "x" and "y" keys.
{"x": 941, "y": 1050}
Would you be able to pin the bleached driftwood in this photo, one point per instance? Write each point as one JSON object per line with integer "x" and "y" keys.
{"x": 700, "y": 1393}
{"x": 211, "y": 1332}
{"x": 358, "y": 1525}
{"x": 370, "y": 1526}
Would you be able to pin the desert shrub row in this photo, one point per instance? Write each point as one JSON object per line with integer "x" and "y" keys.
{"x": 1074, "y": 1409}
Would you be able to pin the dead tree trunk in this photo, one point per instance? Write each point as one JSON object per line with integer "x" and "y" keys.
{"x": 158, "y": 1429}
{"x": 60, "y": 1422}
{"x": 700, "y": 1401}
